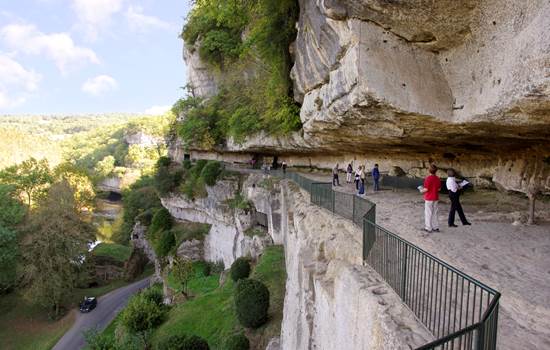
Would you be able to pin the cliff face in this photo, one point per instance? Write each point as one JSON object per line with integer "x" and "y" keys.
{"x": 226, "y": 240}
{"x": 331, "y": 300}
{"x": 460, "y": 83}
{"x": 467, "y": 76}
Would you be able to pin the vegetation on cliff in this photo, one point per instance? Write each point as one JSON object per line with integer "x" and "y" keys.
{"x": 247, "y": 44}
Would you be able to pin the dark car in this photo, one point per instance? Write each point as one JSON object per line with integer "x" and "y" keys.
{"x": 88, "y": 304}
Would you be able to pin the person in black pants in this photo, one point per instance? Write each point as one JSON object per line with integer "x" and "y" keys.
{"x": 454, "y": 195}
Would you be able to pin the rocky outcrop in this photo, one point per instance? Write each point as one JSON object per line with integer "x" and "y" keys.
{"x": 226, "y": 240}
{"x": 368, "y": 76}
{"x": 142, "y": 139}
{"x": 465, "y": 84}
{"x": 139, "y": 241}
{"x": 202, "y": 81}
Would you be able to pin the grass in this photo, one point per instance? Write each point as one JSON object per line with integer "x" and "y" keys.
{"x": 271, "y": 271}
{"x": 116, "y": 251}
{"x": 210, "y": 312}
{"x": 24, "y": 325}
{"x": 209, "y": 315}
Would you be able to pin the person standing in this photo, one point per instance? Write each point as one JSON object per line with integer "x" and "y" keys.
{"x": 454, "y": 195}
{"x": 432, "y": 185}
{"x": 349, "y": 172}
{"x": 357, "y": 177}
{"x": 335, "y": 180}
{"x": 363, "y": 175}
{"x": 376, "y": 177}
{"x": 284, "y": 167}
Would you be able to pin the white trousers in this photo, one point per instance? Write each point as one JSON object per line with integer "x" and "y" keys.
{"x": 430, "y": 215}
{"x": 348, "y": 177}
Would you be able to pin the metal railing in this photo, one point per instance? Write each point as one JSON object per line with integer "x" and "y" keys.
{"x": 460, "y": 311}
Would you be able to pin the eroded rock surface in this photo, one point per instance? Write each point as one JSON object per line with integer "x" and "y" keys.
{"x": 226, "y": 240}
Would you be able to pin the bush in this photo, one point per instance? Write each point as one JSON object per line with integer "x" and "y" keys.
{"x": 237, "y": 342}
{"x": 153, "y": 294}
{"x": 161, "y": 221}
{"x": 164, "y": 243}
{"x": 211, "y": 171}
{"x": 164, "y": 162}
{"x": 187, "y": 164}
{"x": 251, "y": 302}
{"x": 141, "y": 314}
{"x": 183, "y": 342}
{"x": 240, "y": 269}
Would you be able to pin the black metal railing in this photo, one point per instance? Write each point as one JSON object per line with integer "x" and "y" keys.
{"x": 460, "y": 311}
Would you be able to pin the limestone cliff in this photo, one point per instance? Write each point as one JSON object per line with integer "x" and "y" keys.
{"x": 227, "y": 239}
{"x": 463, "y": 83}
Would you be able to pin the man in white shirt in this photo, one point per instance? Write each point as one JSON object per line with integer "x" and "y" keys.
{"x": 454, "y": 196}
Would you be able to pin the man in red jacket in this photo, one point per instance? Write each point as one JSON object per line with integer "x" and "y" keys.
{"x": 432, "y": 185}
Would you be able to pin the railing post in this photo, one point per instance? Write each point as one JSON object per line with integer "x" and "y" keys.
{"x": 404, "y": 277}
{"x": 353, "y": 210}
{"x": 480, "y": 336}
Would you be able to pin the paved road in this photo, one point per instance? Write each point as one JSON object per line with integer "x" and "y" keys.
{"x": 108, "y": 306}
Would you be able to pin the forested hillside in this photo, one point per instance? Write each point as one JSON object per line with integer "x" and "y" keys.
{"x": 22, "y": 137}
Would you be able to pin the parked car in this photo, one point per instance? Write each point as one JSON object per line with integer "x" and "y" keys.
{"x": 88, "y": 304}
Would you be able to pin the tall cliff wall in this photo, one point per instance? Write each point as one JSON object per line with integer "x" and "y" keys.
{"x": 462, "y": 83}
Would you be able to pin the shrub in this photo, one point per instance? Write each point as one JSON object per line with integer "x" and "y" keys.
{"x": 239, "y": 202}
{"x": 251, "y": 302}
{"x": 153, "y": 294}
{"x": 240, "y": 269}
{"x": 195, "y": 343}
{"x": 164, "y": 162}
{"x": 97, "y": 341}
{"x": 183, "y": 342}
{"x": 161, "y": 221}
{"x": 237, "y": 342}
{"x": 211, "y": 171}
{"x": 164, "y": 243}
{"x": 141, "y": 314}
{"x": 187, "y": 164}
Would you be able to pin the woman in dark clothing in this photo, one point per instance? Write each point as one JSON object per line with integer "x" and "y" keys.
{"x": 454, "y": 195}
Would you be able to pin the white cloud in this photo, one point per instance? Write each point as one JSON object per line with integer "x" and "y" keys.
{"x": 16, "y": 82}
{"x": 141, "y": 22}
{"x": 99, "y": 85}
{"x": 95, "y": 15}
{"x": 58, "y": 47}
{"x": 158, "y": 110}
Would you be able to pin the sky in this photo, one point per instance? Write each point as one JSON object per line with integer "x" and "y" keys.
{"x": 90, "y": 56}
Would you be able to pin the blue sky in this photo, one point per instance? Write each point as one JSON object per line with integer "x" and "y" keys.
{"x": 90, "y": 56}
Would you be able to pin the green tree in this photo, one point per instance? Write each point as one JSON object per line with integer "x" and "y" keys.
{"x": 8, "y": 259}
{"x": 31, "y": 178}
{"x": 141, "y": 314}
{"x": 11, "y": 209}
{"x": 56, "y": 241}
{"x": 105, "y": 167}
{"x": 80, "y": 183}
{"x": 183, "y": 272}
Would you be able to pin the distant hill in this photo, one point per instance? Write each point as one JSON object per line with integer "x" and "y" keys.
{"x": 48, "y": 136}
